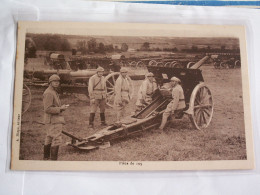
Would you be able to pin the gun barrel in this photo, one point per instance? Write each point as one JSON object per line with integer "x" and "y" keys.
{"x": 200, "y": 63}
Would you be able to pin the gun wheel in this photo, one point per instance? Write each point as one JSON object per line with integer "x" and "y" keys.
{"x": 202, "y": 105}
{"x": 110, "y": 84}
{"x": 133, "y": 64}
{"x": 140, "y": 64}
{"x": 237, "y": 64}
{"x": 27, "y": 98}
{"x": 152, "y": 63}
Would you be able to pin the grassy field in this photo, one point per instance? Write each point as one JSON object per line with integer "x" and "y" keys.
{"x": 224, "y": 139}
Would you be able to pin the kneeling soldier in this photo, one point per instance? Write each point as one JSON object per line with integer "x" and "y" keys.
{"x": 177, "y": 103}
{"x": 123, "y": 93}
{"x": 97, "y": 94}
{"x": 146, "y": 91}
{"x": 53, "y": 118}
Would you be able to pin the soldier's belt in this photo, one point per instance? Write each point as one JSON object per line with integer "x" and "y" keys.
{"x": 125, "y": 90}
{"x": 181, "y": 99}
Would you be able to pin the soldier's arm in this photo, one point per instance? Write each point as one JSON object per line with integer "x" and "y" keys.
{"x": 48, "y": 105}
{"x": 144, "y": 89}
{"x": 131, "y": 90}
{"x": 175, "y": 101}
{"x": 90, "y": 88}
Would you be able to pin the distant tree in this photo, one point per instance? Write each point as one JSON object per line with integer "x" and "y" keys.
{"x": 194, "y": 48}
{"x": 175, "y": 49}
{"x": 223, "y": 48}
{"x": 101, "y": 48}
{"x": 109, "y": 48}
{"x": 82, "y": 46}
{"x": 124, "y": 47}
{"x": 30, "y": 48}
{"x": 145, "y": 46}
{"x": 65, "y": 45}
{"x": 92, "y": 45}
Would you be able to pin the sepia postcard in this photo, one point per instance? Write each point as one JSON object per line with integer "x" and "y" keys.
{"x": 131, "y": 96}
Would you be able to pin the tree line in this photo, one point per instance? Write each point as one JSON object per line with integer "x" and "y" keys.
{"x": 49, "y": 42}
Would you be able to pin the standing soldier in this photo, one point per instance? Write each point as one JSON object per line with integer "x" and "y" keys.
{"x": 177, "y": 104}
{"x": 146, "y": 91}
{"x": 53, "y": 118}
{"x": 123, "y": 93}
{"x": 97, "y": 94}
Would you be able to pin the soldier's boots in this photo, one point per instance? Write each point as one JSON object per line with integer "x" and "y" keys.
{"x": 103, "y": 119}
{"x": 54, "y": 152}
{"x": 46, "y": 152}
{"x": 91, "y": 120}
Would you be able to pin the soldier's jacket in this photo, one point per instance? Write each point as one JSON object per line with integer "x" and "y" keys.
{"x": 178, "y": 101}
{"x": 123, "y": 89}
{"x": 51, "y": 105}
{"x": 97, "y": 87}
{"x": 146, "y": 89}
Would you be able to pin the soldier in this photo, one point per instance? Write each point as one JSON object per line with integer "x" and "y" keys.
{"x": 146, "y": 91}
{"x": 123, "y": 93}
{"x": 53, "y": 118}
{"x": 97, "y": 94}
{"x": 177, "y": 103}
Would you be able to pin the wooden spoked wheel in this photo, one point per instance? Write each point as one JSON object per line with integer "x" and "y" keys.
{"x": 237, "y": 64}
{"x": 173, "y": 64}
{"x": 133, "y": 64}
{"x": 167, "y": 64}
{"x": 201, "y": 106}
{"x": 160, "y": 64}
{"x": 224, "y": 65}
{"x": 140, "y": 64}
{"x": 152, "y": 63}
{"x": 110, "y": 84}
{"x": 27, "y": 98}
{"x": 216, "y": 65}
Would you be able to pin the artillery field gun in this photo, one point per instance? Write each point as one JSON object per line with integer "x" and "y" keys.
{"x": 198, "y": 99}
{"x": 226, "y": 60}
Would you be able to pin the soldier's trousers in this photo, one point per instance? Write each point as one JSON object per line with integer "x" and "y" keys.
{"x": 53, "y": 136}
{"x": 120, "y": 110}
{"x": 101, "y": 103}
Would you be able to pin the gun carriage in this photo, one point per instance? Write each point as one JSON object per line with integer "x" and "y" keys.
{"x": 198, "y": 99}
{"x": 226, "y": 60}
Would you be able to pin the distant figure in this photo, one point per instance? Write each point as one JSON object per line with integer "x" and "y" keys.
{"x": 97, "y": 94}
{"x": 177, "y": 103}
{"x": 123, "y": 93}
{"x": 145, "y": 93}
{"x": 53, "y": 118}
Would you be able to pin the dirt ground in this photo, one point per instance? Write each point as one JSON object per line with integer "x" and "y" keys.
{"x": 224, "y": 139}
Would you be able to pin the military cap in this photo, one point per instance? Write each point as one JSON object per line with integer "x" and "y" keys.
{"x": 123, "y": 70}
{"x": 150, "y": 74}
{"x": 175, "y": 79}
{"x": 54, "y": 77}
{"x": 100, "y": 69}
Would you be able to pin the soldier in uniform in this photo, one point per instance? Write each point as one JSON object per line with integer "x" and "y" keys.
{"x": 53, "y": 118}
{"x": 146, "y": 91}
{"x": 177, "y": 104}
{"x": 97, "y": 94}
{"x": 123, "y": 93}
